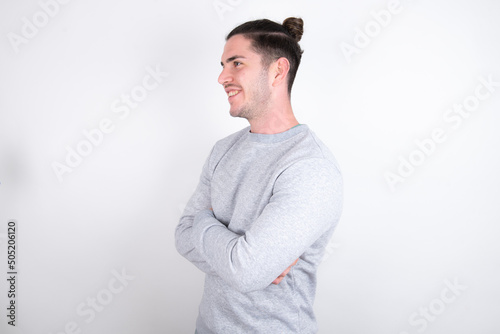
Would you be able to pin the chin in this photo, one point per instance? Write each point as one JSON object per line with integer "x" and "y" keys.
{"x": 235, "y": 112}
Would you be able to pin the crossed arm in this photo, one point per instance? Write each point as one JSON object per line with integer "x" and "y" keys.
{"x": 283, "y": 274}
{"x": 303, "y": 207}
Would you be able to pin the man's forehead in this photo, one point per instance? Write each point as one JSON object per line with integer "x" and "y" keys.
{"x": 239, "y": 46}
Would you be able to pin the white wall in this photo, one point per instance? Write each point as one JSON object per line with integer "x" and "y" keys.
{"x": 418, "y": 256}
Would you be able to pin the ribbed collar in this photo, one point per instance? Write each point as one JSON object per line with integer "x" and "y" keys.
{"x": 277, "y": 137}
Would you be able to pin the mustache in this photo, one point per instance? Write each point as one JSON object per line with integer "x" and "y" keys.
{"x": 231, "y": 86}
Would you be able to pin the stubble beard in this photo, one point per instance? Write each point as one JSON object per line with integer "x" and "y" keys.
{"x": 259, "y": 104}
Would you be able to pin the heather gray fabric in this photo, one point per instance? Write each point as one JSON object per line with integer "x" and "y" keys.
{"x": 275, "y": 198}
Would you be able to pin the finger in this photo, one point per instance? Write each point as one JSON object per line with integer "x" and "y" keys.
{"x": 286, "y": 272}
{"x": 278, "y": 280}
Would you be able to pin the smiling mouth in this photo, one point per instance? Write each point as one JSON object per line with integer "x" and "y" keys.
{"x": 233, "y": 93}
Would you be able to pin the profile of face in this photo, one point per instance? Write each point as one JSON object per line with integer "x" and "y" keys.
{"x": 246, "y": 82}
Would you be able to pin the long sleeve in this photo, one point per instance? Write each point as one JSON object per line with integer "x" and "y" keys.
{"x": 306, "y": 203}
{"x": 184, "y": 241}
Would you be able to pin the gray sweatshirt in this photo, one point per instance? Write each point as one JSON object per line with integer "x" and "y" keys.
{"x": 262, "y": 202}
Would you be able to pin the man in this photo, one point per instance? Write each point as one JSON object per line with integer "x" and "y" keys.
{"x": 268, "y": 199}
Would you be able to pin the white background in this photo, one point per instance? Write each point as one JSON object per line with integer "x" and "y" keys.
{"x": 395, "y": 251}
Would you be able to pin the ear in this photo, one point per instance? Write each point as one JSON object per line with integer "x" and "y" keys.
{"x": 280, "y": 71}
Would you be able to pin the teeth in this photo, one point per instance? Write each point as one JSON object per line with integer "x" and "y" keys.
{"x": 233, "y": 93}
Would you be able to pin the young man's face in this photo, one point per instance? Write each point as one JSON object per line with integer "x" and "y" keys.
{"x": 245, "y": 80}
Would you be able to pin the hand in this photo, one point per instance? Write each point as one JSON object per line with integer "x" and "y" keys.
{"x": 283, "y": 274}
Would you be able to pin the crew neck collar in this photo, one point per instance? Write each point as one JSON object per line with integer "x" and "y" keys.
{"x": 277, "y": 137}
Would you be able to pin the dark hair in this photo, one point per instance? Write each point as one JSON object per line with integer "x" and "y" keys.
{"x": 273, "y": 41}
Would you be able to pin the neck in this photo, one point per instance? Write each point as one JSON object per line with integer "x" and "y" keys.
{"x": 275, "y": 120}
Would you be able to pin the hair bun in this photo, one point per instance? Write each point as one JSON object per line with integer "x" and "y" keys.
{"x": 295, "y": 27}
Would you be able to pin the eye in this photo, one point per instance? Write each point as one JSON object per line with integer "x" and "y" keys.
{"x": 236, "y": 63}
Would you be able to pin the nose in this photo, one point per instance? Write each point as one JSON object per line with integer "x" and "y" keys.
{"x": 224, "y": 76}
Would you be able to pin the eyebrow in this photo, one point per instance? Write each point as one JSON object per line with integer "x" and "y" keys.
{"x": 230, "y": 59}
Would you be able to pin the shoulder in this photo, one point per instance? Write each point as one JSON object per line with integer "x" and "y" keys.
{"x": 226, "y": 142}
{"x": 222, "y": 146}
{"x": 310, "y": 150}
